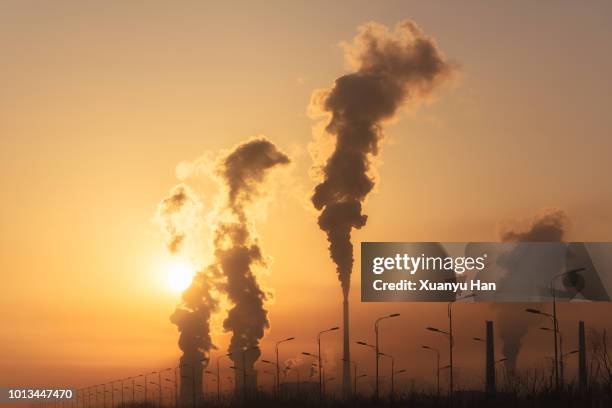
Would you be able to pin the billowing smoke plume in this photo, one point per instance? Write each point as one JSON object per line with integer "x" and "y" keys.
{"x": 177, "y": 214}
{"x": 549, "y": 226}
{"x": 232, "y": 273}
{"x": 391, "y": 69}
{"x": 238, "y": 253}
{"x": 192, "y": 319}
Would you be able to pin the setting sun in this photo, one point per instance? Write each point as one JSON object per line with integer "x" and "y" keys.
{"x": 178, "y": 275}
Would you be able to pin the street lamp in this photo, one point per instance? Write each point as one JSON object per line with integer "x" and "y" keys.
{"x": 174, "y": 388}
{"x": 123, "y": 387}
{"x": 97, "y": 393}
{"x": 450, "y": 366}
{"x": 376, "y": 332}
{"x": 320, "y": 362}
{"x": 562, "y": 355}
{"x": 317, "y": 357}
{"x": 392, "y": 372}
{"x": 437, "y": 367}
{"x": 556, "y": 320}
{"x": 153, "y": 383}
{"x": 219, "y": 376}
{"x": 159, "y": 389}
{"x": 553, "y": 317}
{"x": 104, "y": 391}
{"x": 146, "y": 381}
{"x": 139, "y": 387}
{"x": 273, "y": 375}
{"x": 277, "y": 389}
{"x": 451, "y": 342}
{"x": 403, "y": 370}
{"x": 358, "y": 377}
{"x": 135, "y": 385}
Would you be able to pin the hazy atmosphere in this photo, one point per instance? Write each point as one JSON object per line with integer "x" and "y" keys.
{"x": 115, "y": 116}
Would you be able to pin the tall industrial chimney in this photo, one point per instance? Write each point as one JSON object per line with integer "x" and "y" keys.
{"x": 490, "y": 365}
{"x": 346, "y": 352}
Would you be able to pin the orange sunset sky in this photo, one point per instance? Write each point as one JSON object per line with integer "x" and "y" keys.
{"x": 100, "y": 101}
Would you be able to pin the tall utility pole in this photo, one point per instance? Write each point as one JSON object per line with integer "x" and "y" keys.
{"x": 376, "y": 332}
{"x": 321, "y": 361}
{"x": 219, "y": 376}
{"x": 555, "y": 320}
{"x": 346, "y": 348}
{"x": 582, "y": 366}
{"x": 277, "y": 382}
{"x": 159, "y": 388}
{"x": 450, "y": 350}
{"x": 490, "y": 358}
{"x": 451, "y": 343}
{"x": 555, "y": 330}
{"x": 437, "y": 368}
{"x": 392, "y": 373}
{"x": 244, "y": 376}
{"x": 133, "y": 391}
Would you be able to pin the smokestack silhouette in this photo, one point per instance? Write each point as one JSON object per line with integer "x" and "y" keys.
{"x": 177, "y": 214}
{"x": 549, "y": 226}
{"x": 238, "y": 252}
{"x": 192, "y": 319}
{"x": 391, "y": 69}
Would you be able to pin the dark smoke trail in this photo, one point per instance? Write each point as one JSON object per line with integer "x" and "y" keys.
{"x": 192, "y": 319}
{"x": 177, "y": 214}
{"x": 392, "y": 69}
{"x": 238, "y": 252}
{"x": 550, "y": 226}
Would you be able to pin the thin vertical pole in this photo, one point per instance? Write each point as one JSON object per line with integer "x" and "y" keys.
{"x": 450, "y": 346}
{"x": 490, "y": 359}
{"x": 582, "y": 366}
{"x": 556, "y": 329}
{"x": 377, "y": 358}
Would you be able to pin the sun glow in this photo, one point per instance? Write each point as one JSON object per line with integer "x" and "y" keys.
{"x": 178, "y": 275}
